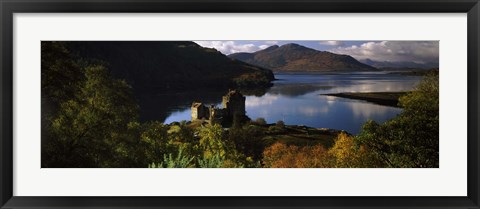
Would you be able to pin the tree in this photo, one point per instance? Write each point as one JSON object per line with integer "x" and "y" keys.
{"x": 412, "y": 138}
{"x": 217, "y": 151}
{"x": 260, "y": 121}
{"x": 62, "y": 75}
{"x": 89, "y": 128}
{"x": 280, "y": 124}
{"x": 248, "y": 140}
{"x": 348, "y": 153}
{"x": 156, "y": 142}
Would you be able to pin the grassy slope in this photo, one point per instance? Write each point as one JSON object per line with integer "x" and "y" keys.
{"x": 294, "y": 135}
{"x": 303, "y": 136}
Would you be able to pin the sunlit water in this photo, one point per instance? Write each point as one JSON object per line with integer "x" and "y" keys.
{"x": 297, "y": 99}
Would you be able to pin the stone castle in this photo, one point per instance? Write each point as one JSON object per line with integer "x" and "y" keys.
{"x": 233, "y": 106}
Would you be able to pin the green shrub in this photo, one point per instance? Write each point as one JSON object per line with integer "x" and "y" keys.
{"x": 180, "y": 161}
{"x": 280, "y": 124}
{"x": 261, "y": 121}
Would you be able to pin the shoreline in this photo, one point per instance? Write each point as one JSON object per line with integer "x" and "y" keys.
{"x": 381, "y": 98}
{"x": 298, "y": 135}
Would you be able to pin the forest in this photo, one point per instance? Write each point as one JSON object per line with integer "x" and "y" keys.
{"x": 90, "y": 119}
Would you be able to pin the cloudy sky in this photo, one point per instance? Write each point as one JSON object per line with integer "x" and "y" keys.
{"x": 392, "y": 51}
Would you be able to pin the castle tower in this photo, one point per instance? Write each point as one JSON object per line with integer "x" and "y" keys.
{"x": 199, "y": 111}
{"x": 234, "y": 103}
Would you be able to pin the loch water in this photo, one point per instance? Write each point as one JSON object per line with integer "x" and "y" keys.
{"x": 296, "y": 99}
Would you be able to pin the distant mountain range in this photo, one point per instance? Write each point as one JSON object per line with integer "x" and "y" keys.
{"x": 296, "y": 58}
{"x": 399, "y": 65}
{"x": 153, "y": 66}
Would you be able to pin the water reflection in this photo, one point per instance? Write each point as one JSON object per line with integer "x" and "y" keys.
{"x": 296, "y": 89}
{"x": 296, "y": 99}
{"x": 265, "y": 100}
{"x": 175, "y": 105}
{"x": 172, "y": 106}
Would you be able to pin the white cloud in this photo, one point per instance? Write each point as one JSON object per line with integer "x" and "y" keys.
{"x": 271, "y": 42}
{"x": 393, "y": 51}
{"x": 331, "y": 43}
{"x": 230, "y": 47}
{"x": 263, "y": 46}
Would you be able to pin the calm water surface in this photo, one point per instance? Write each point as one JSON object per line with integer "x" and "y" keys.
{"x": 296, "y": 99}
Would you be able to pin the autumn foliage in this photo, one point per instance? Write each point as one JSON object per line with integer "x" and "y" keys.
{"x": 280, "y": 155}
{"x": 348, "y": 153}
{"x": 345, "y": 153}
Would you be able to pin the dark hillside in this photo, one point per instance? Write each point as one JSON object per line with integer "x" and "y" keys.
{"x": 153, "y": 66}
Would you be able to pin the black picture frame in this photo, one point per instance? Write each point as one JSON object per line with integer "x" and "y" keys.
{"x": 9, "y": 7}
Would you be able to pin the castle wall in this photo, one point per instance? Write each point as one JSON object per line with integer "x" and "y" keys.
{"x": 233, "y": 105}
{"x": 199, "y": 111}
{"x": 234, "y": 102}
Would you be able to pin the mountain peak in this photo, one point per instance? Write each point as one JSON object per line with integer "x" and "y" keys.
{"x": 270, "y": 48}
{"x": 295, "y": 57}
{"x": 293, "y": 45}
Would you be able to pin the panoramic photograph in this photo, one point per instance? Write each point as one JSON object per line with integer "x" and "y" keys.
{"x": 240, "y": 104}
